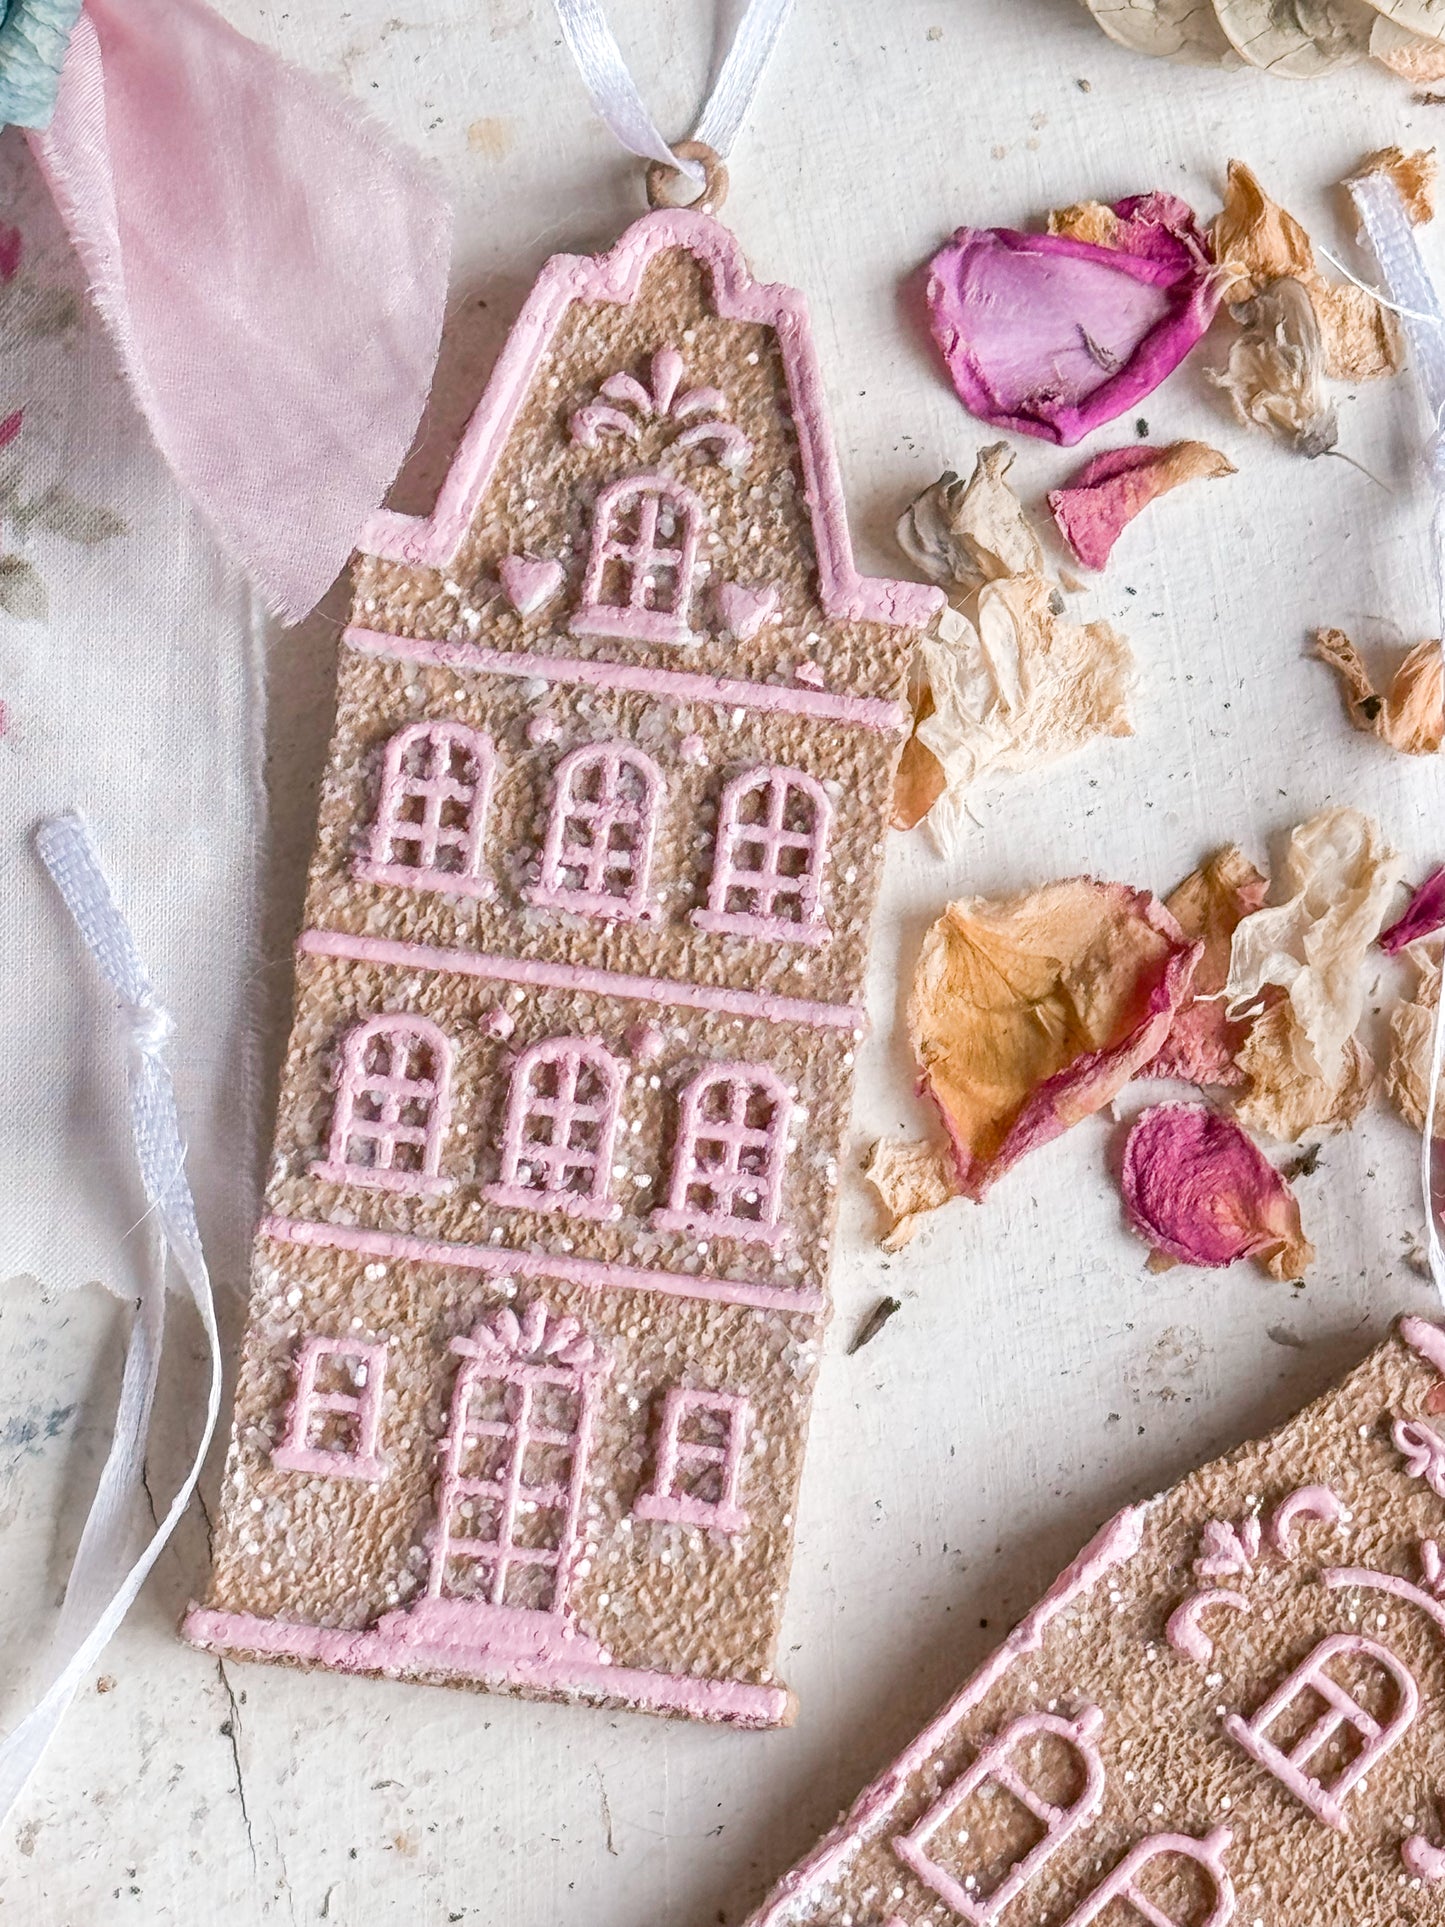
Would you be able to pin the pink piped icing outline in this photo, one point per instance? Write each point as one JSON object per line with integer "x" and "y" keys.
{"x": 525, "y": 1158}
{"x": 992, "y": 1763}
{"x": 636, "y": 620}
{"x": 601, "y": 816}
{"x": 1111, "y": 1547}
{"x": 1207, "y": 1853}
{"x": 607, "y": 983}
{"x": 616, "y": 277}
{"x": 767, "y": 883}
{"x": 663, "y": 1500}
{"x": 294, "y": 1452}
{"x": 632, "y": 678}
{"x": 356, "y": 1082}
{"x": 1426, "y": 1339}
{"x": 431, "y": 834}
{"x": 727, "y": 1176}
{"x": 507, "y": 1261}
{"x": 1344, "y": 1710}
{"x": 735, "y": 1701}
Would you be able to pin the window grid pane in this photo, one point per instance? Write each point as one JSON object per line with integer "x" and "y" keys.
{"x": 767, "y": 878}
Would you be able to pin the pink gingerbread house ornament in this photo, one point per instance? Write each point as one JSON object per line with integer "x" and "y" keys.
{"x": 1230, "y": 1708}
{"x": 539, "y": 1291}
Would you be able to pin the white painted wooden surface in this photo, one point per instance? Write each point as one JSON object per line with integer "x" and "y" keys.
{"x": 1037, "y": 1375}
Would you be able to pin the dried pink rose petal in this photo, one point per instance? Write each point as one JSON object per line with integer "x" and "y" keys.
{"x": 1203, "y": 1193}
{"x": 1424, "y": 915}
{"x": 1051, "y": 336}
{"x": 1104, "y": 497}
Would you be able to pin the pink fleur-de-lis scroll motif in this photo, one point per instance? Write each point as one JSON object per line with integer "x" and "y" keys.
{"x": 1184, "y": 1632}
{"x": 639, "y": 579}
{"x": 1423, "y": 1451}
{"x": 995, "y": 1765}
{"x": 629, "y": 403}
{"x": 1424, "y": 1861}
{"x": 1305, "y": 1502}
{"x": 1342, "y": 1709}
{"x": 772, "y": 841}
{"x": 1226, "y": 1548}
{"x": 1123, "y": 1883}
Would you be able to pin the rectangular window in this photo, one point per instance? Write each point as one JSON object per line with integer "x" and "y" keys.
{"x": 335, "y": 1412}
{"x": 699, "y": 1461}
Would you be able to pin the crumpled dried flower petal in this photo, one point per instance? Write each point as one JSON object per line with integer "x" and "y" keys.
{"x": 1360, "y": 339}
{"x": 963, "y": 534}
{"x": 1410, "y": 716}
{"x": 1256, "y": 241}
{"x": 1285, "y": 1095}
{"x": 1415, "y": 176}
{"x": 1339, "y": 877}
{"x": 1208, "y": 906}
{"x": 1201, "y": 1191}
{"x": 1258, "y": 245}
{"x": 1054, "y": 337}
{"x": 911, "y": 1180}
{"x": 1091, "y": 221}
{"x": 1169, "y": 29}
{"x": 1424, "y": 915}
{"x": 1095, "y": 508}
{"x": 1302, "y": 38}
{"x": 1410, "y": 55}
{"x": 1014, "y": 686}
{"x": 1274, "y": 376}
{"x": 1412, "y": 1044}
{"x": 1426, "y": 17}
{"x": 1030, "y": 1013}
{"x": 1018, "y": 689}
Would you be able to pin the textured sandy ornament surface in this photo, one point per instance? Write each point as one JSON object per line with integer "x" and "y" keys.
{"x": 1227, "y": 1709}
{"x": 539, "y": 1293}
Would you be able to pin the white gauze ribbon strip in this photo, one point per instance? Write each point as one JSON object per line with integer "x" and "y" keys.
{"x": 104, "y": 1580}
{"x": 1413, "y": 295}
{"x": 615, "y": 94}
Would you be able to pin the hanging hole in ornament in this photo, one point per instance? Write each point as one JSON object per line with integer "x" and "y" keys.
{"x": 664, "y": 182}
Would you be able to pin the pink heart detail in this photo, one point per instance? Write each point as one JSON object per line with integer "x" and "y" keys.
{"x": 744, "y": 611}
{"x": 529, "y": 585}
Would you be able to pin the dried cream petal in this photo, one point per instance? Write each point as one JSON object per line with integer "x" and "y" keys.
{"x": 911, "y": 1179}
{"x": 1410, "y": 716}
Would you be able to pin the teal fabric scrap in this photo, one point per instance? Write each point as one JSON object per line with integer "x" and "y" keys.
{"x": 34, "y": 35}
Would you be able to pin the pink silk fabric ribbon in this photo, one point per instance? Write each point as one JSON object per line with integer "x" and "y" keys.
{"x": 272, "y": 268}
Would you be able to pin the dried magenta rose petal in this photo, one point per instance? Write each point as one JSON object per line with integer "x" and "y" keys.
{"x": 1200, "y": 1190}
{"x": 1051, "y": 336}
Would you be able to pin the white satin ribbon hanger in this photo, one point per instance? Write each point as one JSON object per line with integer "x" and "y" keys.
{"x": 619, "y": 103}
{"x": 104, "y": 1580}
{"x": 1413, "y": 296}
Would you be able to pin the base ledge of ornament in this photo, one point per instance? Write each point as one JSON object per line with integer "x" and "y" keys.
{"x": 380, "y": 1654}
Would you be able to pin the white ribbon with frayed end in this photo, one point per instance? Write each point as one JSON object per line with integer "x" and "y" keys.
{"x": 615, "y": 93}
{"x": 1412, "y": 295}
{"x": 103, "y": 1580}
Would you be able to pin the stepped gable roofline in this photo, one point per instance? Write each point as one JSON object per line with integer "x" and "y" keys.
{"x": 431, "y": 541}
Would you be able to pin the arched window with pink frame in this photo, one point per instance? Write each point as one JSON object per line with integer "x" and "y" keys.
{"x": 640, "y": 569}
{"x": 436, "y": 783}
{"x": 393, "y": 1102}
{"x": 732, "y": 1143}
{"x": 597, "y": 856}
{"x": 772, "y": 843}
{"x": 561, "y": 1125}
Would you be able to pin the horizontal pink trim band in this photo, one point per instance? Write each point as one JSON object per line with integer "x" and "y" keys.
{"x": 735, "y": 1701}
{"x": 595, "y": 1273}
{"x": 786, "y": 699}
{"x": 609, "y": 983}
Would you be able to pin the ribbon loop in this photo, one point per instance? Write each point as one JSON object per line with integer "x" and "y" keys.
{"x": 615, "y": 94}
